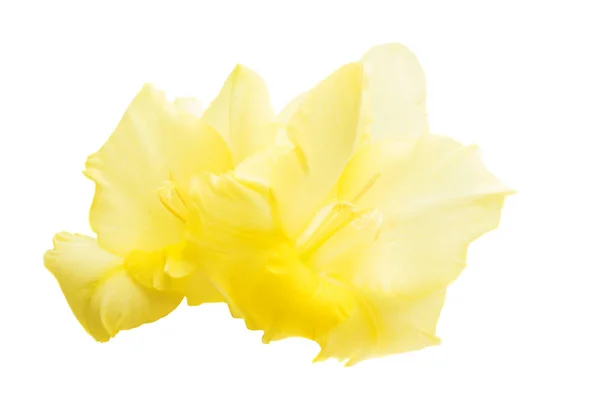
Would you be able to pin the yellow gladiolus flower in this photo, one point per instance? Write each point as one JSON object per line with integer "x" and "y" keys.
{"x": 341, "y": 220}
{"x": 350, "y": 228}
{"x": 141, "y": 266}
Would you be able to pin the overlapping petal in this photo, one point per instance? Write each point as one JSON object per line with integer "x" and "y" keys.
{"x": 435, "y": 199}
{"x": 382, "y": 326}
{"x": 242, "y": 114}
{"x": 394, "y": 99}
{"x": 324, "y": 131}
{"x": 104, "y": 297}
{"x": 154, "y": 143}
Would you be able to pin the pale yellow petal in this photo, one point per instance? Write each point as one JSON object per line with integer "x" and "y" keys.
{"x": 101, "y": 293}
{"x": 235, "y": 228}
{"x": 384, "y": 326}
{"x": 403, "y": 182}
{"x": 155, "y": 141}
{"x": 440, "y": 171}
{"x": 339, "y": 239}
{"x": 362, "y": 183}
{"x": 416, "y": 256}
{"x": 435, "y": 199}
{"x": 178, "y": 268}
{"x": 324, "y": 132}
{"x": 257, "y": 169}
{"x": 227, "y": 201}
{"x": 394, "y": 101}
{"x": 190, "y": 105}
{"x": 242, "y": 114}
{"x": 283, "y": 118}
{"x": 186, "y": 266}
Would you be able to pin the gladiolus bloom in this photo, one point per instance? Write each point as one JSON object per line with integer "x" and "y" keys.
{"x": 341, "y": 220}
{"x": 349, "y": 233}
{"x": 140, "y": 266}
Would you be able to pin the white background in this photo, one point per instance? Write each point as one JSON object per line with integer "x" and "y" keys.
{"x": 520, "y": 79}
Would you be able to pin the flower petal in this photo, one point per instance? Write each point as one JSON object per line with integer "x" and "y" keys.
{"x": 416, "y": 256}
{"x": 177, "y": 268}
{"x": 226, "y": 201}
{"x": 434, "y": 200}
{"x": 324, "y": 132}
{"x": 190, "y": 105}
{"x": 283, "y": 118}
{"x": 394, "y": 100}
{"x": 384, "y": 326}
{"x": 236, "y": 226}
{"x": 284, "y": 298}
{"x": 101, "y": 293}
{"x": 338, "y": 250}
{"x": 403, "y": 182}
{"x": 242, "y": 114}
{"x": 185, "y": 267}
{"x": 148, "y": 268}
{"x": 197, "y": 288}
{"x": 155, "y": 141}
{"x": 361, "y": 183}
{"x": 256, "y": 170}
